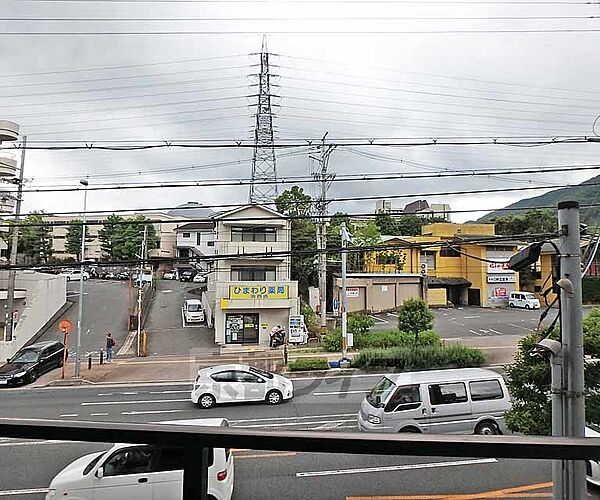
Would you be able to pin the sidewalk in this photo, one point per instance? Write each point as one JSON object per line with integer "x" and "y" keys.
{"x": 498, "y": 351}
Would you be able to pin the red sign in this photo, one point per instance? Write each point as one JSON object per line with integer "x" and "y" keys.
{"x": 500, "y": 292}
{"x": 65, "y": 326}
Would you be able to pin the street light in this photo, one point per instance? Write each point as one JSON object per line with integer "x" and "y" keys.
{"x": 84, "y": 183}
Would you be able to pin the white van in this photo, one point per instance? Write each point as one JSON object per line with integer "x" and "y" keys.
{"x": 464, "y": 401}
{"x": 139, "y": 472}
{"x": 193, "y": 311}
{"x": 526, "y": 300}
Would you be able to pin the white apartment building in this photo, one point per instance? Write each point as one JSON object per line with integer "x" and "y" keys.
{"x": 252, "y": 292}
{"x": 196, "y": 239}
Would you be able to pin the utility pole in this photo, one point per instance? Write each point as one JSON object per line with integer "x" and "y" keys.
{"x": 14, "y": 245}
{"x": 574, "y": 481}
{"x": 84, "y": 183}
{"x": 344, "y": 302}
{"x": 321, "y": 208}
{"x": 139, "y": 280}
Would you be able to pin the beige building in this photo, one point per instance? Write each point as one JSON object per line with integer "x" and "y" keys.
{"x": 376, "y": 292}
{"x": 249, "y": 295}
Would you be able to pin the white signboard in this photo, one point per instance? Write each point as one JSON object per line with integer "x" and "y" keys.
{"x": 352, "y": 291}
{"x": 349, "y": 339}
{"x": 498, "y": 267}
{"x": 505, "y": 278}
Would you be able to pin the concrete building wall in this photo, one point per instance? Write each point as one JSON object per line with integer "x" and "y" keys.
{"x": 45, "y": 296}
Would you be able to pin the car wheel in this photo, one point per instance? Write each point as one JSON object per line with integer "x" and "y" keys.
{"x": 487, "y": 429}
{"x": 206, "y": 401}
{"x": 527, "y": 306}
{"x": 511, "y": 305}
{"x": 31, "y": 377}
{"x": 274, "y": 397}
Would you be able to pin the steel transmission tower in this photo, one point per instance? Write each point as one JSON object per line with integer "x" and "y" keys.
{"x": 264, "y": 169}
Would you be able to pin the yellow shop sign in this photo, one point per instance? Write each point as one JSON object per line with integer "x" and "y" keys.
{"x": 247, "y": 292}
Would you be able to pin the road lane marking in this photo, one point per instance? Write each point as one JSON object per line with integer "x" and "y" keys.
{"x": 99, "y": 403}
{"x": 98, "y": 414}
{"x": 270, "y": 419}
{"x": 150, "y": 412}
{"x": 391, "y": 468}
{"x": 35, "y": 443}
{"x": 521, "y": 327}
{"x": 474, "y": 332}
{"x": 30, "y": 491}
{"x": 333, "y": 393}
{"x": 69, "y": 415}
{"x": 129, "y": 393}
{"x": 291, "y": 424}
{"x": 170, "y": 392}
{"x": 471, "y": 317}
{"x": 496, "y": 331}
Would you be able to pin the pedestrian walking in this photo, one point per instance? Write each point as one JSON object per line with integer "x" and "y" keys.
{"x": 110, "y": 344}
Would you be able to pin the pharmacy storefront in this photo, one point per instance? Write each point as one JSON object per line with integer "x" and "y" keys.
{"x": 247, "y": 312}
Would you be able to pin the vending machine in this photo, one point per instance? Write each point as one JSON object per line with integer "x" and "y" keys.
{"x": 298, "y": 333}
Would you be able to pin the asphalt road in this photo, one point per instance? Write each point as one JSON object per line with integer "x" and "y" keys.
{"x": 168, "y": 333}
{"x": 465, "y": 322}
{"x": 319, "y": 404}
{"x": 104, "y": 310}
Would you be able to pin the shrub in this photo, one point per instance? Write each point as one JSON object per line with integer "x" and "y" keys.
{"x": 360, "y": 323}
{"x": 415, "y": 317}
{"x": 383, "y": 340}
{"x": 421, "y": 358}
{"x": 308, "y": 364}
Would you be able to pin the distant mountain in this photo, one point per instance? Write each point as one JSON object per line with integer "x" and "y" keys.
{"x": 587, "y": 192}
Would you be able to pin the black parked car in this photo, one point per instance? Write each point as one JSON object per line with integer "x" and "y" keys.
{"x": 187, "y": 275}
{"x": 31, "y": 362}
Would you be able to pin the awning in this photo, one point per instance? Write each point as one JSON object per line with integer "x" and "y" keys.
{"x": 445, "y": 282}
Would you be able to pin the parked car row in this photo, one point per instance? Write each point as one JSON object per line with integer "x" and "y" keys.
{"x": 188, "y": 275}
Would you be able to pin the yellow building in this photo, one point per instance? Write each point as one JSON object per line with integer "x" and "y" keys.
{"x": 453, "y": 257}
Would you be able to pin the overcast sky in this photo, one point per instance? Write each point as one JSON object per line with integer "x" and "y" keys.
{"x": 365, "y": 82}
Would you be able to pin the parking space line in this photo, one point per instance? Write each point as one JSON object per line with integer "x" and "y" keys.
{"x": 379, "y": 320}
{"x": 474, "y": 332}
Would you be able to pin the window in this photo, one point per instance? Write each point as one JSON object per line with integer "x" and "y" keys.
{"x": 228, "y": 376}
{"x": 92, "y": 464}
{"x": 130, "y": 461}
{"x": 380, "y": 392}
{"x": 258, "y": 273}
{"x": 263, "y": 373}
{"x": 450, "y": 252}
{"x": 443, "y": 394}
{"x": 405, "y": 398}
{"x": 429, "y": 259}
{"x": 198, "y": 238}
{"x": 248, "y": 378}
{"x": 500, "y": 248}
{"x": 210, "y": 243}
{"x": 260, "y": 233}
{"x": 485, "y": 389}
{"x": 186, "y": 235}
{"x": 26, "y": 356}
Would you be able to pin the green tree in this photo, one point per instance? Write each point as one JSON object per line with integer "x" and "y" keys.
{"x": 415, "y": 317}
{"x": 363, "y": 235}
{"x": 531, "y": 222}
{"x": 73, "y": 238}
{"x": 528, "y": 380}
{"x": 35, "y": 238}
{"x": 121, "y": 239}
{"x": 295, "y": 202}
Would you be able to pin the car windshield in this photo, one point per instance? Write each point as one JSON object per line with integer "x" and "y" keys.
{"x": 263, "y": 373}
{"x": 529, "y": 296}
{"x": 27, "y": 356}
{"x": 380, "y": 392}
{"x": 193, "y": 307}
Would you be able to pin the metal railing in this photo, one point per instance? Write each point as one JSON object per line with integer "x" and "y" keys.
{"x": 197, "y": 442}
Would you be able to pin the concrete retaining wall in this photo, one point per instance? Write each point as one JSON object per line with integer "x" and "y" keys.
{"x": 46, "y": 294}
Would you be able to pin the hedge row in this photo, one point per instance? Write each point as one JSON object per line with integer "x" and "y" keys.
{"x": 308, "y": 364}
{"x": 383, "y": 340}
{"x": 410, "y": 358}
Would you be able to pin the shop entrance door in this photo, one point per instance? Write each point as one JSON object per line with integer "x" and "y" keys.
{"x": 241, "y": 329}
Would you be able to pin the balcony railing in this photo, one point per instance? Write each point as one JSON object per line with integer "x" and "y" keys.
{"x": 196, "y": 443}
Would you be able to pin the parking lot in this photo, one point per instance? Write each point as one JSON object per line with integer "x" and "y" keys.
{"x": 464, "y": 322}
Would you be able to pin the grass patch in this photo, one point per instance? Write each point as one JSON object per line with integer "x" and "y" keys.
{"x": 298, "y": 365}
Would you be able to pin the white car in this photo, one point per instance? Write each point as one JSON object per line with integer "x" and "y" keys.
{"x": 524, "y": 300}
{"x": 75, "y": 274}
{"x": 169, "y": 275}
{"x": 193, "y": 311}
{"x": 199, "y": 278}
{"x": 592, "y": 466}
{"x": 239, "y": 383}
{"x": 139, "y": 472}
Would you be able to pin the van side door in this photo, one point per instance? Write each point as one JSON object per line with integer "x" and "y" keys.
{"x": 450, "y": 408}
{"x": 167, "y": 481}
{"x": 405, "y": 409}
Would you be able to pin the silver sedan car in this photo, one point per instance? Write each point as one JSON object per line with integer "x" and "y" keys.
{"x": 239, "y": 383}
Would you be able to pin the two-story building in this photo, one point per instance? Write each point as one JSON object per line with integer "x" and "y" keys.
{"x": 196, "y": 239}
{"x": 455, "y": 258}
{"x": 251, "y": 290}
